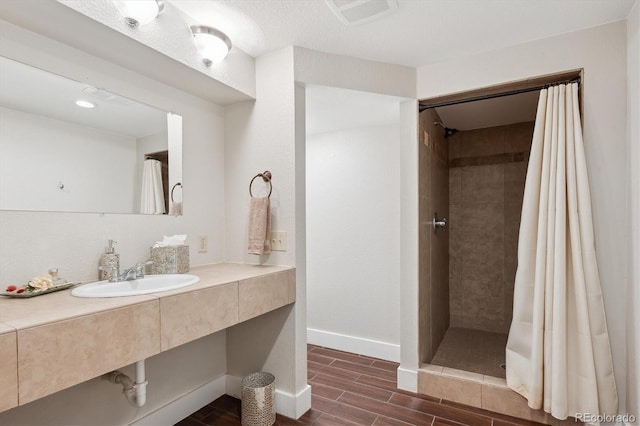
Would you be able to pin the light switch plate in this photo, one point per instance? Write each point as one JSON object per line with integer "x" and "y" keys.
{"x": 278, "y": 241}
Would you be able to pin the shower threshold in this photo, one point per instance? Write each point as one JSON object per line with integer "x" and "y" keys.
{"x": 466, "y": 369}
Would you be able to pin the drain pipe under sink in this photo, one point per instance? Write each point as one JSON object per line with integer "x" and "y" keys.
{"x": 135, "y": 392}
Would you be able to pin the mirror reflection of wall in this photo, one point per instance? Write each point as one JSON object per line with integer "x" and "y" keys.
{"x": 56, "y": 155}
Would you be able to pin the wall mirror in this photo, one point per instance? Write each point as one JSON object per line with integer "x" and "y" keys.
{"x": 67, "y": 146}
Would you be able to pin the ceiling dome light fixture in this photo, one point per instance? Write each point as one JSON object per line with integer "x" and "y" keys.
{"x": 214, "y": 45}
{"x": 139, "y": 12}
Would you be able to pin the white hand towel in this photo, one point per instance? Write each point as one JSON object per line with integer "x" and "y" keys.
{"x": 259, "y": 226}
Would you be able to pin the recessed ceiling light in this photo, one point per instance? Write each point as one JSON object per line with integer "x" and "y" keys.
{"x": 85, "y": 104}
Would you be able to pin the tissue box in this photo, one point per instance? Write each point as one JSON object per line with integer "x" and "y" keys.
{"x": 170, "y": 260}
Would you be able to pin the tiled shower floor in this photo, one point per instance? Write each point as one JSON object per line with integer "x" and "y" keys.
{"x": 472, "y": 350}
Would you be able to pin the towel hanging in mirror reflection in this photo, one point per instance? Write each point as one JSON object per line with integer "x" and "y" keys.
{"x": 176, "y": 206}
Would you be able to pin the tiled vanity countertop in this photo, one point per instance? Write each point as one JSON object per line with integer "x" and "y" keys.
{"x": 82, "y": 338}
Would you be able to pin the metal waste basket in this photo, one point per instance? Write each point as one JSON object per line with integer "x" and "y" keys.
{"x": 258, "y": 408}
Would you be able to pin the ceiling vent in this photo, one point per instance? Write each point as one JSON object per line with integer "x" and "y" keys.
{"x": 356, "y": 12}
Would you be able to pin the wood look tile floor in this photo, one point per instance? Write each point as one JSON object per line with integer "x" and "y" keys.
{"x": 350, "y": 389}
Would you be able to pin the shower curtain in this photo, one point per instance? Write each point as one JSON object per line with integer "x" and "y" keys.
{"x": 152, "y": 196}
{"x": 558, "y": 355}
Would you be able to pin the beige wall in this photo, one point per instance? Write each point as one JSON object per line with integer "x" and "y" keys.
{"x": 433, "y": 188}
{"x": 485, "y": 200}
{"x": 409, "y": 247}
{"x": 327, "y": 69}
{"x": 312, "y": 67}
{"x": 353, "y": 301}
{"x": 264, "y": 135}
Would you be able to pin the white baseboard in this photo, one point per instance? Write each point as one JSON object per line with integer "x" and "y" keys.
{"x": 187, "y": 404}
{"x": 408, "y": 379}
{"x": 357, "y": 345}
{"x": 293, "y": 406}
{"x": 233, "y": 386}
{"x": 289, "y": 405}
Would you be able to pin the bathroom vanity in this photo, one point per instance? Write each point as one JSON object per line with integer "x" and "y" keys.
{"x": 52, "y": 342}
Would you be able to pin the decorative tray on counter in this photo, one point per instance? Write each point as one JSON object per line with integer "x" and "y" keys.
{"x": 33, "y": 293}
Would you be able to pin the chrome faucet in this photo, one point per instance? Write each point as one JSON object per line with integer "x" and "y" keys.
{"x": 129, "y": 274}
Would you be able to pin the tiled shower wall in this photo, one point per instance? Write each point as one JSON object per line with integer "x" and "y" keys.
{"x": 487, "y": 169}
{"x": 433, "y": 293}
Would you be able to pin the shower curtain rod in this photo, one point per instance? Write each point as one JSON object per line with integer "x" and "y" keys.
{"x": 423, "y": 107}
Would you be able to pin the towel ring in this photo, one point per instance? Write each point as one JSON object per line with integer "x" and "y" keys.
{"x": 266, "y": 176}
{"x": 174, "y": 187}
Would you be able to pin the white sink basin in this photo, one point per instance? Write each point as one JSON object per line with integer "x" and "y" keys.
{"x": 146, "y": 285}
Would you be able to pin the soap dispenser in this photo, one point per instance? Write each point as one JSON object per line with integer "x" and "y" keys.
{"x": 110, "y": 260}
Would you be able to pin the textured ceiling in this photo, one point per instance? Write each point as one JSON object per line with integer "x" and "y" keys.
{"x": 418, "y": 33}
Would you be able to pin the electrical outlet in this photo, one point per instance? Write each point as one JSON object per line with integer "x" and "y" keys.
{"x": 278, "y": 241}
{"x": 203, "y": 244}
